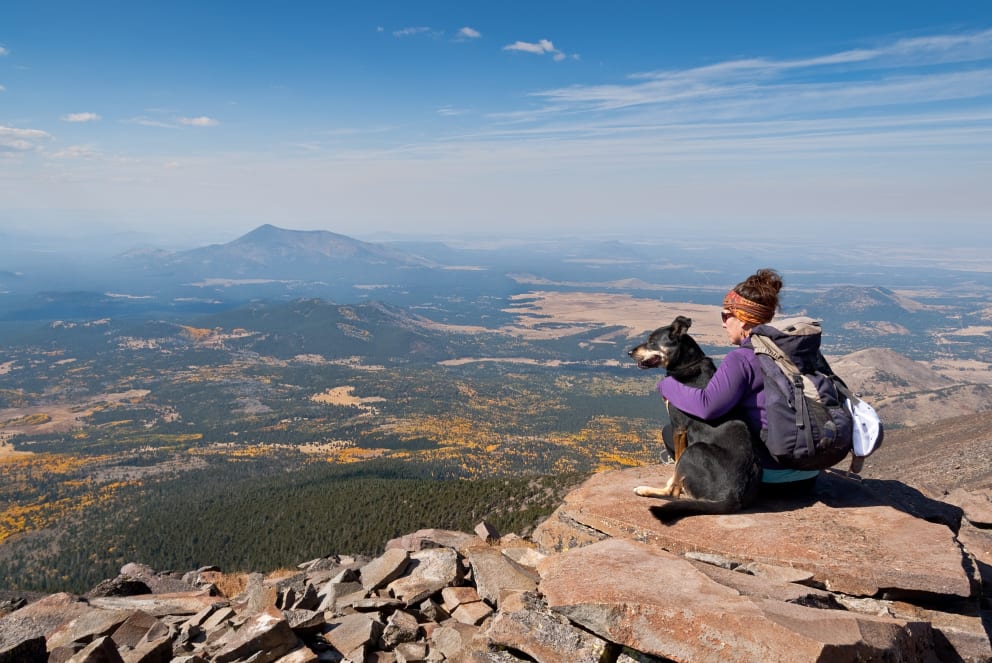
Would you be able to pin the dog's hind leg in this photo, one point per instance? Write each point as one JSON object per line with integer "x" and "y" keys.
{"x": 672, "y": 489}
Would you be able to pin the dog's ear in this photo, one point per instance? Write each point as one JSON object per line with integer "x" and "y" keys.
{"x": 680, "y": 325}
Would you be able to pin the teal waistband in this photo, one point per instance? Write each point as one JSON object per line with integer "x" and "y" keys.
{"x": 785, "y": 476}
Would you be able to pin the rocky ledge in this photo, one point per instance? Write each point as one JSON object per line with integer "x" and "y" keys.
{"x": 868, "y": 570}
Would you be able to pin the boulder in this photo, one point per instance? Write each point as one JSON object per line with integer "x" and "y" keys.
{"x": 526, "y": 624}
{"x": 264, "y": 637}
{"x": 472, "y": 613}
{"x": 157, "y": 583}
{"x": 101, "y": 650}
{"x": 304, "y": 622}
{"x": 352, "y": 632}
{"x": 456, "y": 641}
{"x": 137, "y": 628}
{"x": 432, "y": 538}
{"x": 456, "y": 596}
{"x": 120, "y": 586}
{"x": 428, "y": 572}
{"x": 151, "y": 649}
{"x": 308, "y": 599}
{"x": 37, "y": 619}
{"x": 411, "y": 652}
{"x": 220, "y": 616}
{"x": 400, "y": 627}
{"x": 335, "y": 596}
{"x": 494, "y": 572}
{"x": 258, "y": 595}
{"x": 384, "y": 569}
{"x": 95, "y": 623}
{"x": 524, "y": 553}
{"x": 486, "y": 532}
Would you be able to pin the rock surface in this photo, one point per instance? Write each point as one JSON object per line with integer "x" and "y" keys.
{"x": 848, "y": 539}
{"x": 866, "y": 570}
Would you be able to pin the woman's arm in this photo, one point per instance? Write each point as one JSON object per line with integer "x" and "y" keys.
{"x": 726, "y": 388}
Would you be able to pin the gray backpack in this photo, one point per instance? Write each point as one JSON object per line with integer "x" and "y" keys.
{"x": 809, "y": 425}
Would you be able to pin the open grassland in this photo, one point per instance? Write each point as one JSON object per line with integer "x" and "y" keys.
{"x": 553, "y": 314}
{"x": 55, "y": 417}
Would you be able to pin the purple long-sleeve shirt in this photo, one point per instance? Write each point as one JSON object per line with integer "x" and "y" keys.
{"x": 737, "y": 386}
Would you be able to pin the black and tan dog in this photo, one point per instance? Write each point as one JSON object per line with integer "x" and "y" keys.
{"x": 718, "y": 469}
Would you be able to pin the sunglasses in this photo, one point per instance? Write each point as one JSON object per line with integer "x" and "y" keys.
{"x": 726, "y": 315}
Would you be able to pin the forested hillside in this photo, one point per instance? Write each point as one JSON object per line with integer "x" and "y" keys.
{"x": 247, "y": 519}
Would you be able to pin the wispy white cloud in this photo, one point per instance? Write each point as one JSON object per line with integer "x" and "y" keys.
{"x": 3, "y": 51}
{"x": 152, "y": 122}
{"x": 450, "y": 111}
{"x": 24, "y": 138}
{"x": 2, "y": 88}
{"x": 407, "y": 32}
{"x": 15, "y": 145}
{"x": 941, "y": 48}
{"x": 14, "y": 140}
{"x": 308, "y": 147}
{"x": 77, "y": 152}
{"x": 33, "y": 134}
{"x": 540, "y": 47}
{"x": 902, "y": 72}
{"x": 341, "y": 132}
{"x": 202, "y": 121}
{"x": 81, "y": 117}
{"x": 469, "y": 33}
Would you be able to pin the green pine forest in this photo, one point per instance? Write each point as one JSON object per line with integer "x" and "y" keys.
{"x": 242, "y": 519}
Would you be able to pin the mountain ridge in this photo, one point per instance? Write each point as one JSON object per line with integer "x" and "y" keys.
{"x": 278, "y": 250}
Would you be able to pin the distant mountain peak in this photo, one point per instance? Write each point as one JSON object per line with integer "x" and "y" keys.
{"x": 859, "y": 298}
{"x": 272, "y": 252}
{"x": 270, "y": 233}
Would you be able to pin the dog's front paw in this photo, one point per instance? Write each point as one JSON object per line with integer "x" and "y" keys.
{"x": 649, "y": 491}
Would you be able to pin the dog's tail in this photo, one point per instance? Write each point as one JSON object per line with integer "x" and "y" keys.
{"x": 674, "y": 510}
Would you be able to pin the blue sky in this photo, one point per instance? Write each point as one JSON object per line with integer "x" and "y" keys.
{"x": 197, "y": 121}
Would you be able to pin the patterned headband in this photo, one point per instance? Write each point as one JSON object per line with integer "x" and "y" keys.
{"x": 747, "y": 311}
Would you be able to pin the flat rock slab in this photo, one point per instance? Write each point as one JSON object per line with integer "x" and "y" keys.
{"x": 432, "y": 538}
{"x": 847, "y": 539}
{"x": 37, "y": 619}
{"x": 158, "y": 605}
{"x": 655, "y": 602}
{"x": 976, "y": 504}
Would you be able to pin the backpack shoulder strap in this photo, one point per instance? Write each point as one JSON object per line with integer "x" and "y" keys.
{"x": 766, "y": 346}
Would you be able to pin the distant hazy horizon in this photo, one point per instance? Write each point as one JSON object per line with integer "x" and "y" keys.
{"x": 186, "y": 123}
{"x": 30, "y": 248}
